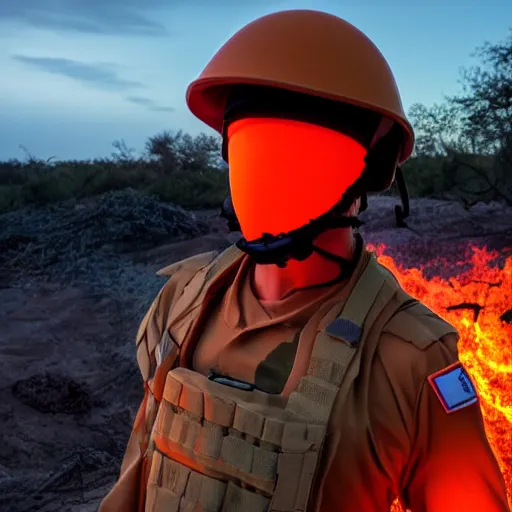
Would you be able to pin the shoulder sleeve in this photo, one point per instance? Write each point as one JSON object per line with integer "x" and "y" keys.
{"x": 450, "y": 465}
{"x": 152, "y": 327}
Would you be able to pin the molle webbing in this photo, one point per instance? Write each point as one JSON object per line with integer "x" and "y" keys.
{"x": 334, "y": 349}
{"x": 220, "y": 449}
{"x": 223, "y": 436}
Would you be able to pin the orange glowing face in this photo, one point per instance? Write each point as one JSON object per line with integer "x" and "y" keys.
{"x": 285, "y": 173}
{"x": 485, "y": 342}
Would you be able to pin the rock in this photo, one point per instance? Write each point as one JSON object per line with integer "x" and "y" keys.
{"x": 53, "y": 393}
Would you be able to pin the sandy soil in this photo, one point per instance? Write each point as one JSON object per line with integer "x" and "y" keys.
{"x": 69, "y": 384}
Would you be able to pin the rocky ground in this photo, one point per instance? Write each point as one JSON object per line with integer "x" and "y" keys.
{"x": 75, "y": 280}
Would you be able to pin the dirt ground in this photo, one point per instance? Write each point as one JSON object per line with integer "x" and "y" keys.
{"x": 69, "y": 384}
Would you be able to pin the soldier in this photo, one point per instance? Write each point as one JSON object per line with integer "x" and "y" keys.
{"x": 291, "y": 372}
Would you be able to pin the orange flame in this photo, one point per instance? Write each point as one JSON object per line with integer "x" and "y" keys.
{"x": 481, "y": 294}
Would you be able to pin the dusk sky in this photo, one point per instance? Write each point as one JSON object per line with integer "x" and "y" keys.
{"x": 75, "y": 75}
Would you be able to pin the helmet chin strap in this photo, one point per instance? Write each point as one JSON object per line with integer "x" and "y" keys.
{"x": 347, "y": 267}
{"x": 297, "y": 244}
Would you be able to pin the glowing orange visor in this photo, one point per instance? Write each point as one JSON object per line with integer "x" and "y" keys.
{"x": 284, "y": 173}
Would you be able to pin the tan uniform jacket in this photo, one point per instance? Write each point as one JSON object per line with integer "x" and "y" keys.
{"x": 392, "y": 438}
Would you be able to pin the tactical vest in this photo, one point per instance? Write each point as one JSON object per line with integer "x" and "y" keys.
{"x": 215, "y": 448}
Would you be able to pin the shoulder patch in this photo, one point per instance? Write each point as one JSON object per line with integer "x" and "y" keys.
{"x": 453, "y": 387}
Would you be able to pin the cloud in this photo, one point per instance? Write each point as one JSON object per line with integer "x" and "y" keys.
{"x": 158, "y": 108}
{"x": 114, "y": 17}
{"x": 108, "y": 17}
{"x": 140, "y": 100}
{"x": 99, "y": 75}
{"x": 149, "y": 104}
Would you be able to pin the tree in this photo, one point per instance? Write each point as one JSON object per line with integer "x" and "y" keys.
{"x": 473, "y": 130}
{"x": 437, "y": 128}
{"x": 123, "y": 153}
{"x": 180, "y": 151}
{"x": 162, "y": 147}
{"x": 486, "y": 104}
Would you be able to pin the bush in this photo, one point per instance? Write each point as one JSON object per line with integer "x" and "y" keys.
{"x": 187, "y": 173}
{"x": 192, "y": 190}
{"x": 21, "y": 185}
{"x": 177, "y": 168}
